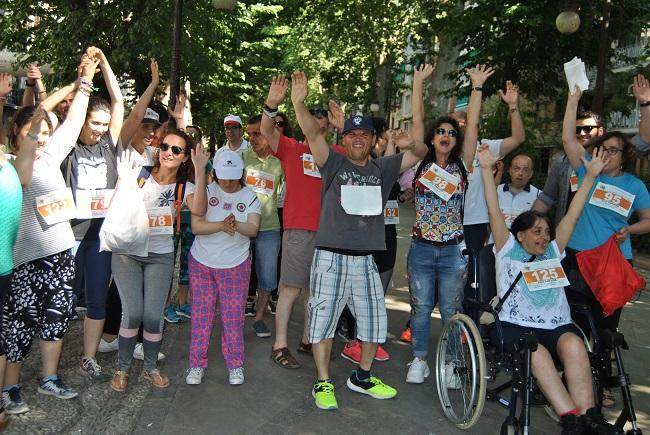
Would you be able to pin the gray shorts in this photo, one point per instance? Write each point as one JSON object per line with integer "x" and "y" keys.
{"x": 297, "y": 253}
{"x": 337, "y": 280}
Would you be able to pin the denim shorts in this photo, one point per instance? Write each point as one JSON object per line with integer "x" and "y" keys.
{"x": 266, "y": 247}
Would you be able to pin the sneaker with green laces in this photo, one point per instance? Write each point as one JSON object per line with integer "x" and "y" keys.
{"x": 323, "y": 393}
{"x": 373, "y": 387}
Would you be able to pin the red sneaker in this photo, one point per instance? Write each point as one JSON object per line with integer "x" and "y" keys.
{"x": 406, "y": 336}
{"x": 381, "y": 354}
{"x": 352, "y": 351}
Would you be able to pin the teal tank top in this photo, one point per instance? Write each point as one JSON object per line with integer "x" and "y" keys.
{"x": 11, "y": 201}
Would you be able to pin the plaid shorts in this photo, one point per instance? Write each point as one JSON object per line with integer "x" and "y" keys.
{"x": 337, "y": 280}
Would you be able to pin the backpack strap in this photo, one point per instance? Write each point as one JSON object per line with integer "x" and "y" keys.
{"x": 179, "y": 195}
{"x": 144, "y": 175}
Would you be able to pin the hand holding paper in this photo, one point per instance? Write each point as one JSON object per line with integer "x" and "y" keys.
{"x": 576, "y": 74}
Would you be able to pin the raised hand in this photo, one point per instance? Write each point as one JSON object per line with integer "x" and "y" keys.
{"x": 403, "y": 140}
{"x": 127, "y": 166}
{"x": 479, "y": 74}
{"x": 33, "y": 73}
{"x": 155, "y": 75}
{"x": 200, "y": 157}
{"x": 277, "y": 91}
{"x": 599, "y": 158}
{"x": 576, "y": 94}
{"x": 511, "y": 96}
{"x": 96, "y": 54}
{"x": 486, "y": 158}
{"x": 87, "y": 67}
{"x": 641, "y": 88}
{"x": 335, "y": 114}
{"x": 6, "y": 83}
{"x": 299, "y": 89}
{"x": 179, "y": 108}
{"x": 422, "y": 72}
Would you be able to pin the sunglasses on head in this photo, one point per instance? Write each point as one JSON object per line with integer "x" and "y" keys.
{"x": 176, "y": 150}
{"x": 279, "y": 124}
{"x": 585, "y": 129}
{"x": 449, "y": 132}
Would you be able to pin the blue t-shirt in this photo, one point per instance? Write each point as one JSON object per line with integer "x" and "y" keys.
{"x": 597, "y": 224}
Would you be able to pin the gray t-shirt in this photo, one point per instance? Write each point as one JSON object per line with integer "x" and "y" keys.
{"x": 340, "y": 230}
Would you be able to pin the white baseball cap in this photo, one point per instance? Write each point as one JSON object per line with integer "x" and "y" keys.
{"x": 232, "y": 120}
{"x": 228, "y": 165}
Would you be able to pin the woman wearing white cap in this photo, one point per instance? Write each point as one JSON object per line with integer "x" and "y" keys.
{"x": 219, "y": 267}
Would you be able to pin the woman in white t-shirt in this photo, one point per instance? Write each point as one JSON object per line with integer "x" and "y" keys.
{"x": 219, "y": 267}
{"x": 543, "y": 309}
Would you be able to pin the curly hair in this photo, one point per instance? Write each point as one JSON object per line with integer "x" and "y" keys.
{"x": 628, "y": 154}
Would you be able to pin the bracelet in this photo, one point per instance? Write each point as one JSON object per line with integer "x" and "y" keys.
{"x": 269, "y": 111}
{"x": 646, "y": 104}
{"x": 477, "y": 88}
{"x": 513, "y": 109}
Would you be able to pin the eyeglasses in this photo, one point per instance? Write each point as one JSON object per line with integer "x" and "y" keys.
{"x": 279, "y": 124}
{"x": 585, "y": 129}
{"x": 176, "y": 150}
{"x": 232, "y": 127}
{"x": 612, "y": 151}
{"x": 449, "y": 132}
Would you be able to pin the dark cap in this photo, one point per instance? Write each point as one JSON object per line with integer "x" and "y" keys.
{"x": 358, "y": 122}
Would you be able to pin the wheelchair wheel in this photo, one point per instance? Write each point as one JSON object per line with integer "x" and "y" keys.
{"x": 461, "y": 371}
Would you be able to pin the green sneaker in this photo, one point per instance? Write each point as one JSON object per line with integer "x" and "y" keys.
{"x": 323, "y": 392}
{"x": 373, "y": 387}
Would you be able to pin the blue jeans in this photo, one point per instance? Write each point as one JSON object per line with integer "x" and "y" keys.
{"x": 436, "y": 274}
{"x": 266, "y": 247}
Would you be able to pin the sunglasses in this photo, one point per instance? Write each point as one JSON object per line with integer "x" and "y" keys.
{"x": 176, "y": 150}
{"x": 449, "y": 132}
{"x": 585, "y": 129}
{"x": 279, "y": 124}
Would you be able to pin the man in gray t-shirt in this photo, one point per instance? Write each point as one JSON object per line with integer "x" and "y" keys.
{"x": 355, "y": 191}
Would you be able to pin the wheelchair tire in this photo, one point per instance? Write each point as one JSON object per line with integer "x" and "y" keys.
{"x": 463, "y": 405}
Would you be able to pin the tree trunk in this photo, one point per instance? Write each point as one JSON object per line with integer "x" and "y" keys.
{"x": 598, "y": 104}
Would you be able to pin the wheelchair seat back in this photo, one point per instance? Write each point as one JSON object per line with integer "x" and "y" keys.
{"x": 487, "y": 287}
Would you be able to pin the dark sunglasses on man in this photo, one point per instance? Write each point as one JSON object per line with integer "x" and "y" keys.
{"x": 585, "y": 129}
{"x": 176, "y": 150}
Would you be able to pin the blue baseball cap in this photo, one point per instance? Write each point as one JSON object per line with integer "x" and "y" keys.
{"x": 358, "y": 122}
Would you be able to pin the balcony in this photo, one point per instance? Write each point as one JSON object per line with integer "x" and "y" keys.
{"x": 624, "y": 58}
{"x": 625, "y": 123}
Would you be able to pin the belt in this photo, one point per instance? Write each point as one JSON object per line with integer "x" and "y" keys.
{"x": 350, "y": 252}
{"x": 455, "y": 241}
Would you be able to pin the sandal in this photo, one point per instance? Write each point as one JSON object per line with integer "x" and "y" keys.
{"x": 304, "y": 348}
{"x": 609, "y": 399}
{"x": 283, "y": 358}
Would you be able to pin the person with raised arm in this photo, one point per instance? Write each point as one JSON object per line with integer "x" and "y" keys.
{"x": 542, "y": 307}
{"x": 35, "y": 89}
{"x": 355, "y": 192}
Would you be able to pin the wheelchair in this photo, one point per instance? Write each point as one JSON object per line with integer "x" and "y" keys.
{"x": 475, "y": 352}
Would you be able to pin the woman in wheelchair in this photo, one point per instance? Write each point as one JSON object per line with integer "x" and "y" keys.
{"x": 539, "y": 306}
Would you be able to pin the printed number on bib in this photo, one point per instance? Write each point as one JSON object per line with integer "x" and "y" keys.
{"x": 440, "y": 182}
{"x": 612, "y": 198}
{"x": 93, "y": 203}
{"x": 309, "y": 166}
{"x": 573, "y": 179}
{"x": 542, "y": 275}
{"x": 57, "y": 206}
{"x": 160, "y": 220}
{"x": 391, "y": 213}
{"x": 260, "y": 181}
{"x": 361, "y": 200}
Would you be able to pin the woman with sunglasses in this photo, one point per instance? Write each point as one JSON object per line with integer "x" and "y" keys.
{"x": 603, "y": 218}
{"x": 40, "y": 297}
{"x": 436, "y": 267}
{"x": 143, "y": 282}
{"x": 90, "y": 171}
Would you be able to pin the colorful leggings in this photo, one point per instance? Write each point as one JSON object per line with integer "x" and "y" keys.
{"x": 229, "y": 288}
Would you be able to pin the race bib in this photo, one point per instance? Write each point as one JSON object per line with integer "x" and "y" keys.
{"x": 56, "y": 207}
{"x": 391, "y": 213}
{"x": 260, "y": 181}
{"x": 309, "y": 166}
{"x": 542, "y": 275}
{"x": 573, "y": 180}
{"x": 612, "y": 198}
{"x": 93, "y": 204}
{"x": 510, "y": 214}
{"x": 160, "y": 221}
{"x": 440, "y": 182}
{"x": 361, "y": 200}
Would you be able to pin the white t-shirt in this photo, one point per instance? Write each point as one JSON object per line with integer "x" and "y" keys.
{"x": 512, "y": 205}
{"x": 244, "y": 146}
{"x": 475, "y": 206}
{"x": 543, "y": 309}
{"x": 220, "y": 250}
{"x": 147, "y": 158}
{"x": 160, "y": 197}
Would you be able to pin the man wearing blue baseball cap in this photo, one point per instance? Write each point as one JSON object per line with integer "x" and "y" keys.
{"x": 355, "y": 191}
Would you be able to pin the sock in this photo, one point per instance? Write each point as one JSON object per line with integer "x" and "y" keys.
{"x": 362, "y": 375}
{"x": 49, "y": 378}
{"x": 125, "y": 352}
{"x": 151, "y": 349}
{"x": 361, "y": 378}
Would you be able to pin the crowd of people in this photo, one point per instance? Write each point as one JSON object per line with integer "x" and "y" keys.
{"x": 265, "y": 219}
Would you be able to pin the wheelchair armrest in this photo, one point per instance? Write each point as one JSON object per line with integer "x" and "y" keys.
{"x": 470, "y": 252}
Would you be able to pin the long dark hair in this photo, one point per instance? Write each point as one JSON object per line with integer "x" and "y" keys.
{"x": 186, "y": 170}
{"x": 23, "y": 116}
{"x": 628, "y": 156}
{"x": 456, "y": 151}
{"x": 526, "y": 221}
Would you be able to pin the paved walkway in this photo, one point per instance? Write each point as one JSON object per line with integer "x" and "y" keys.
{"x": 278, "y": 401}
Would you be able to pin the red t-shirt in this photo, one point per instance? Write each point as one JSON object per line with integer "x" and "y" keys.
{"x": 302, "y": 200}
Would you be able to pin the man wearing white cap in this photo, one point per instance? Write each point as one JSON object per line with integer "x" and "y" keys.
{"x": 234, "y": 141}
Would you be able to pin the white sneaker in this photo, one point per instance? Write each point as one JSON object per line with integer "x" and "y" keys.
{"x": 451, "y": 377}
{"x": 194, "y": 375}
{"x": 418, "y": 370}
{"x": 236, "y": 376}
{"x": 107, "y": 346}
{"x": 138, "y": 353}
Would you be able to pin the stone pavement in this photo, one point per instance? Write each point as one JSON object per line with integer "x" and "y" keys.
{"x": 278, "y": 401}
